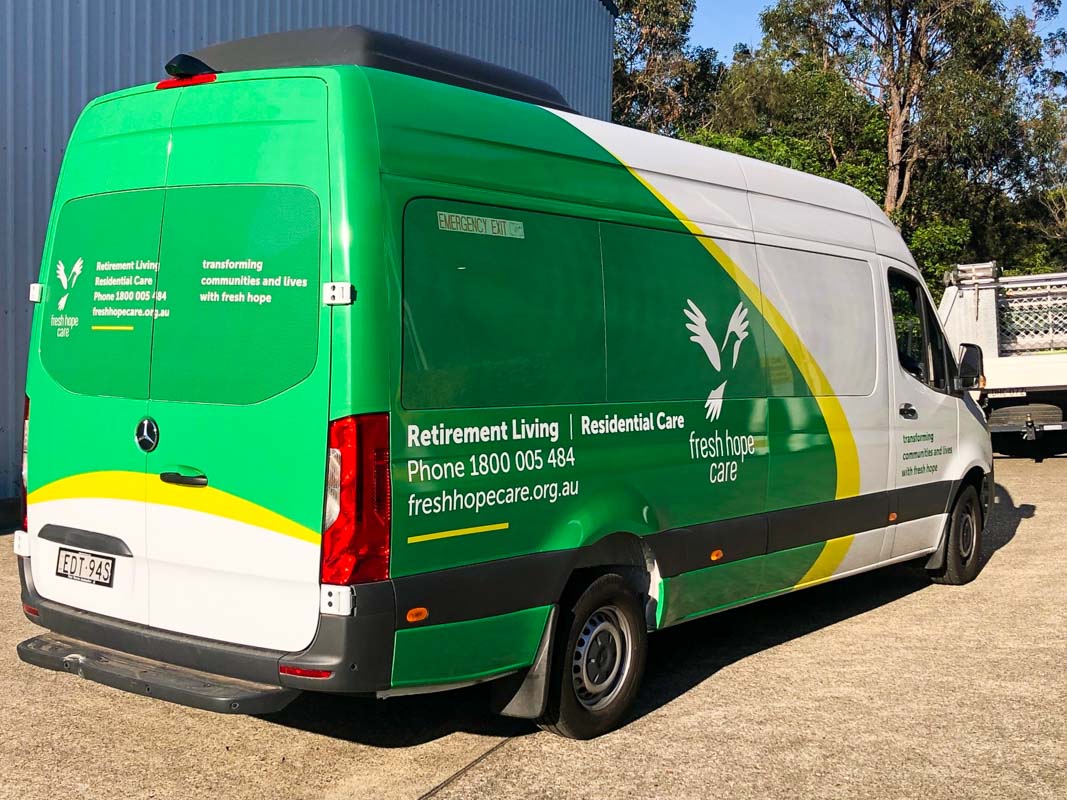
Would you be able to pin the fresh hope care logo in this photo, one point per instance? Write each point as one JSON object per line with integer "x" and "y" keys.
{"x": 698, "y": 326}
{"x": 67, "y": 281}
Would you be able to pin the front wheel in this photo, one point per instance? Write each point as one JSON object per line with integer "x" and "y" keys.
{"x": 598, "y": 660}
{"x": 963, "y": 544}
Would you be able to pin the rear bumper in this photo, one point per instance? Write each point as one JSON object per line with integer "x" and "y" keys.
{"x": 1024, "y": 428}
{"x": 357, "y": 650}
{"x": 154, "y": 679}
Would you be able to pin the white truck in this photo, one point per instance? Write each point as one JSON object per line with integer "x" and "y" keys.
{"x": 1020, "y": 322}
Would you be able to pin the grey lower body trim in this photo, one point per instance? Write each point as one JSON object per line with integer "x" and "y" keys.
{"x": 434, "y": 688}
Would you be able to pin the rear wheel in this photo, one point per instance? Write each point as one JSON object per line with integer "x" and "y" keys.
{"x": 598, "y": 660}
{"x": 963, "y": 544}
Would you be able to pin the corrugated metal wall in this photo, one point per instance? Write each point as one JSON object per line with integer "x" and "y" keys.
{"x": 58, "y": 54}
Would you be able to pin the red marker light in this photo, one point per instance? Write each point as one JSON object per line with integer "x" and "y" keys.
{"x": 192, "y": 80}
{"x": 301, "y": 672}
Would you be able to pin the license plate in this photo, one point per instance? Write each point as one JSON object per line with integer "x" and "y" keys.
{"x": 85, "y": 567}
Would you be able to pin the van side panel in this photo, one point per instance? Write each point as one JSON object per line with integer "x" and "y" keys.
{"x": 676, "y": 440}
{"x": 468, "y": 651}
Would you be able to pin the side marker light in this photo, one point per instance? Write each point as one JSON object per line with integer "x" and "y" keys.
{"x": 417, "y": 614}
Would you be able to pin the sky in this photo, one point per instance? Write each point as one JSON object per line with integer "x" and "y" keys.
{"x": 723, "y": 23}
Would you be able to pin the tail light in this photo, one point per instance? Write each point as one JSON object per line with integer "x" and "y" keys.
{"x": 25, "y": 464}
{"x": 357, "y": 516}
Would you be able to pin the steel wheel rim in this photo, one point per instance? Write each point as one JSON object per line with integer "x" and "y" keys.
{"x": 601, "y": 659}
{"x": 967, "y": 533}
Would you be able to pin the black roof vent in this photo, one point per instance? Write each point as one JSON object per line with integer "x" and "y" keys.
{"x": 185, "y": 66}
{"x": 354, "y": 44}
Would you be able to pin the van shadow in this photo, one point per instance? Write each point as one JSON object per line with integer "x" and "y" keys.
{"x": 399, "y": 721}
{"x": 680, "y": 658}
{"x": 1004, "y": 522}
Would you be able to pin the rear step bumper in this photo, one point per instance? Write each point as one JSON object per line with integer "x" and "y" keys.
{"x": 357, "y": 650}
{"x": 154, "y": 678}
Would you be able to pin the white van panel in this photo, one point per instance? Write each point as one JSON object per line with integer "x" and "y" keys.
{"x": 868, "y": 418}
{"x": 865, "y": 552}
{"x": 705, "y": 203}
{"x": 645, "y": 151}
{"x": 888, "y": 242}
{"x": 801, "y": 188}
{"x": 809, "y": 290}
{"x": 240, "y": 583}
{"x": 127, "y": 597}
{"x": 776, "y": 215}
{"x": 918, "y": 536}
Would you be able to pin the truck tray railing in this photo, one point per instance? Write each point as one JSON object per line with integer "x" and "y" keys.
{"x": 1032, "y": 316}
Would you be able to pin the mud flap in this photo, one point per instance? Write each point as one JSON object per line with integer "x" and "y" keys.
{"x": 524, "y": 694}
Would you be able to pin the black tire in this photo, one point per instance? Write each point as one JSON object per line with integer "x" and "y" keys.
{"x": 963, "y": 544}
{"x": 597, "y": 661}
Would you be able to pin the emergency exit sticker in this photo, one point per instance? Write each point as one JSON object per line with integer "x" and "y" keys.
{"x": 483, "y": 226}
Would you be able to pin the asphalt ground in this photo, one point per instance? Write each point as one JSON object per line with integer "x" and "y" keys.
{"x": 878, "y": 686}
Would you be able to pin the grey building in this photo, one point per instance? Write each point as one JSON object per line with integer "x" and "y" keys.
{"x": 59, "y": 54}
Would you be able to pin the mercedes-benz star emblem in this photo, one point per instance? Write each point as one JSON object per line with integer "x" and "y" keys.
{"x": 147, "y": 435}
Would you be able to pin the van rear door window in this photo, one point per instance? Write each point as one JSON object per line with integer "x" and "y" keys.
{"x": 99, "y": 290}
{"x": 237, "y": 312}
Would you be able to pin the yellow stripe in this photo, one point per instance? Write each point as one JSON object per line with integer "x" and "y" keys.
{"x": 833, "y": 553}
{"x": 845, "y": 453}
{"x": 139, "y": 487}
{"x": 429, "y": 537}
{"x": 111, "y": 327}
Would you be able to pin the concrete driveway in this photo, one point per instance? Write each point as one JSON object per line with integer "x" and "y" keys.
{"x": 880, "y": 686}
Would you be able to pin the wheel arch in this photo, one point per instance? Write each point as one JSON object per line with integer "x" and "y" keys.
{"x": 625, "y": 553}
{"x": 982, "y": 481}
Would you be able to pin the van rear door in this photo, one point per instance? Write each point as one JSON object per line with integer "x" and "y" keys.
{"x": 240, "y": 366}
{"x": 88, "y": 375}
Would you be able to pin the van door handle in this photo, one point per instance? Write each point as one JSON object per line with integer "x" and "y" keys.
{"x": 907, "y": 410}
{"x": 183, "y": 480}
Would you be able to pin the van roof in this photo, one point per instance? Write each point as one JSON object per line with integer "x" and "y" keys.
{"x": 359, "y": 46}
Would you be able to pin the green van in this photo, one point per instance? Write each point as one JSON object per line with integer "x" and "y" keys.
{"x": 361, "y": 367}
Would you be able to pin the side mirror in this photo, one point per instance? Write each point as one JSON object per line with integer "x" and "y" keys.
{"x": 972, "y": 368}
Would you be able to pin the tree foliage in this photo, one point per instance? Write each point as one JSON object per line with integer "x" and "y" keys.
{"x": 948, "y": 113}
{"x": 660, "y": 82}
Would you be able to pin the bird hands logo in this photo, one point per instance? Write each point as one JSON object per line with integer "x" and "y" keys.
{"x": 67, "y": 281}
{"x": 737, "y": 328}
